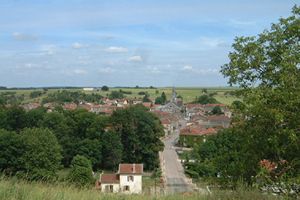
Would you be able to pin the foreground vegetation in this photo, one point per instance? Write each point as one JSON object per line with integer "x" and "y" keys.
{"x": 14, "y": 189}
{"x": 262, "y": 146}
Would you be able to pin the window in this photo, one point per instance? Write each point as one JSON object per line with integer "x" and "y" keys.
{"x": 130, "y": 178}
{"x": 109, "y": 188}
{"x": 126, "y": 188}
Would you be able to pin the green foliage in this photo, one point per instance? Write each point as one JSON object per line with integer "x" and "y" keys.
{"x": 35, "y": 94}
{"x": 116, "y": 95}
{"x": 69, "y": 96}
{"x": 11, "y": 150}
{"x": 12, "y": 118}
{"x": 266, "y": 68}
{"x": 104, "y": 88}
{"x": 217, "y": 110}
{"x": 111, "y": 150}
{"x": 206, "y": 99}
{"x": 140, "y": 132}
{"x": 146, "y": 97}
{"x": 42, "y": 154}
{"x": 81, "y": 171}
{"x": 162, "y": 99}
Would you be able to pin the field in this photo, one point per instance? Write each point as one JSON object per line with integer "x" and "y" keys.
{"x": 13, "y": 189}
{"x": 188, "y": 94}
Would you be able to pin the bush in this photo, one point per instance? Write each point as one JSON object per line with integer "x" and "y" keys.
{"x": 81, "y": 171}
{"x": 104, "y": 88}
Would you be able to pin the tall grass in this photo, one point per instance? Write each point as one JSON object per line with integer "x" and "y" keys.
{"x": 14, "y": 189}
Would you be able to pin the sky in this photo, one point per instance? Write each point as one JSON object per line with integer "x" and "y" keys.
{"x": 126, "y": 42}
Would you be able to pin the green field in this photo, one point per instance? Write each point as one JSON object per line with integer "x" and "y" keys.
{"x": 188, "y": 94}
{"x": 14, "y": 189}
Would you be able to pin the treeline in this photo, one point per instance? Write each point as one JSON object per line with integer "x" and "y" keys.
{"x": 35, "y": 144}
{"x": 71, "y": 96}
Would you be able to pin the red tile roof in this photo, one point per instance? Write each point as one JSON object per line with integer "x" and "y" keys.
{"x": 218, "y": 118}
{"x": 109, "y": 178}
{"x": 130, "y": 168}
{"x": 197, "y": 131}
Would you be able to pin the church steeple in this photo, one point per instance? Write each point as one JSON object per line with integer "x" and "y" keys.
{"x": 174, "y": 95}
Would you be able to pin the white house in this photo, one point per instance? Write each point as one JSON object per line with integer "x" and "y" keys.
{"x": 128, "y": 179}
{"x": 88, "y": 89}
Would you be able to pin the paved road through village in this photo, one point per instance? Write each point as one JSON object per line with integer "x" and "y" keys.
{"x": 175, "y": 178}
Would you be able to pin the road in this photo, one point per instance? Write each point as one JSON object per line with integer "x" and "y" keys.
{"x": 176, "y": 181}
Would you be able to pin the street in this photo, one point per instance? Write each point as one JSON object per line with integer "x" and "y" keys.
{"x": 176, "y": 181}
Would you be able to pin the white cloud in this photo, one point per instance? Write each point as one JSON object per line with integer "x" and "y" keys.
{"x": 116, "y": 50}
{"x": 79, "y": 71}
{"x": 23, "y": 37}
{"x": 187, "y": 68}
{"x": 106, "y": 70}
{"x": 77, "y": 45}
{"x": 135, "y": 59}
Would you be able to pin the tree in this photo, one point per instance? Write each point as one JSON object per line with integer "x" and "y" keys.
{"x": 140, "y": 133}
{"x": 112, "y": 149}
{"x": 105, "y": 88}
{"x": 146, "y": 97}
{"x": 35, "y": 94}
{"x": 206, "y": 99}
{"x": 116, "y": 95}
{"x": 217, "y": 110}
{"x": 164, "y": 97}
{"x": 42, "y": 154}
{"x": 266, "y": 68}
{"x": 159, "y": 100}
{"x": 81, "y": 171}
{"x": 14, "y": 119}
{"x": 12, "y": 149}
{"x": 33, "y": 118}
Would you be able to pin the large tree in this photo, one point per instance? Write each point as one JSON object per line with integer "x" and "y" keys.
{"x": 267, "y": 69}
{"x": 42, "y": 154}
{"x": 140, "y": 133}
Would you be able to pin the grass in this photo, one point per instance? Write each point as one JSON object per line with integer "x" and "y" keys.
{"x": 188, "y": 94}
{"x": 14, "y": 189}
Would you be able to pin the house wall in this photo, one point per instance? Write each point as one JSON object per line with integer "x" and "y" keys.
{"x": 135, "y": 186}
{"x": 115, "y": 189}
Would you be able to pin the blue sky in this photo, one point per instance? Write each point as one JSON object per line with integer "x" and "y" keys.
{"x": 125, "y": 43}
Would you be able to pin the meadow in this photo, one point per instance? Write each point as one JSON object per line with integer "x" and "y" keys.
{"x": 14, "y": 189}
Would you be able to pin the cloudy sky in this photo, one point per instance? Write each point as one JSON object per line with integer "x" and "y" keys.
{"x": 125, "y": 42}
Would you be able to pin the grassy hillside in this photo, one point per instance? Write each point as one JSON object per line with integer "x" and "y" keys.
{"x": 188, "y": 94}
{"x": 16, "y": 189}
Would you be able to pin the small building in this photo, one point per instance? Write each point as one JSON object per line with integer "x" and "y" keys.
{"x": 128, "y": 180}
{"x": 88, "y": 89}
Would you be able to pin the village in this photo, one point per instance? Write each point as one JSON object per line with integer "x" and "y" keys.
{"x": 184, "y": 126}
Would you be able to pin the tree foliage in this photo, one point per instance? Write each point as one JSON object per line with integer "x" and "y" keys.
{"x": 206, "y": 99}
{"x": 140, "y": 132}
{"x": 42, "y": 154}
{"x": 81, "y": 171}
{"x": 266, "y": 68}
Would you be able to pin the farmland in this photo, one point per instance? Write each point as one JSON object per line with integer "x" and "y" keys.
{"x": 187, "y": 93}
